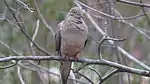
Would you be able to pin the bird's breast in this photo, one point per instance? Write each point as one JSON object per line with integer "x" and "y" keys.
{"x": 72, "y": 44}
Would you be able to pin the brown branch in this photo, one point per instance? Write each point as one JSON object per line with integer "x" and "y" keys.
{"x": 122, "y": 68}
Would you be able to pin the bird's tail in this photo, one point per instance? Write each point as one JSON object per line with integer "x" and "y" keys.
{"x": 65, "y": 71}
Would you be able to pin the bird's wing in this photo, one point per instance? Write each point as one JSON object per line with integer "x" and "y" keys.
{"x": 85, "y": 42}
{"x": 58, "y": 39}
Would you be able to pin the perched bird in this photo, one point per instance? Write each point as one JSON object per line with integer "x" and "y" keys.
{"x": 70, "y": 39}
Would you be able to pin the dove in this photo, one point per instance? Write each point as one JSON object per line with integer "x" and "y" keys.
{"x": 70, "y": 39}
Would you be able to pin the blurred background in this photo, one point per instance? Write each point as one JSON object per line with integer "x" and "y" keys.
{"x": 134, "y": 25}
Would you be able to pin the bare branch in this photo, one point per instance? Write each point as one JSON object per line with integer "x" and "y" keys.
{"x": 121, "y": 67}
{"x": 85, "y": 77}
{"x": 99, "y": 75}
{"x": 81, "y": 67}
{"x": 125, "y": 53}
{"x": 24, "y": 5}
{"x": 108, "y": 75}
{"x": 8, "y": 66}
{"x": 36, "y": 31}
{"x": 134, "y": 3}
{"x": 42, "y": 18}
{"x": 131, "y": 25}
{"x": 125, "y": 18}
{"x": 22, "y": 30}
{"x": 9, "y": 48}
{"x": 144, "y": 11}
{"x": 20, "y": 76}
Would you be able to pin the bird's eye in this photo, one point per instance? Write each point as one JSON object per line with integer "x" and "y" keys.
{"x": 74, "y": 11}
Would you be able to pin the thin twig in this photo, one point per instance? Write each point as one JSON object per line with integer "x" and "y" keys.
{"x": 148, "y": 21}
{"x": 121, "y": 67}
{"x": 24, "y": 5}
{"x": 99, "y": 46}
{"x": 9, "y": 66}
{"x": 22, "y": 30}
{"x": 131, "y": 25}
{"x": 42, "y": 18}
{"x": 84, "y": 5}
{"x": 9, "y": 48}
{"x": 105, "y": 37}
{"x": 100, "y": 77}
{"x": 125, "y": 53}
{"x": 81, "y": 67}
{"x": 40, "y": 76}
{"x": 14, "y": 51}
{"x": 36, "y": 31}
{"x": 108, "y": 75}
{"x": 85, "y": 77}
{"x": 133, "y": 3}
{"x": 125, "y": 18}
{"x": 20, "y": 76}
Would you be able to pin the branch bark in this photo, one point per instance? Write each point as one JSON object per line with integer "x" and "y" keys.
{"x": 120, "y": 67}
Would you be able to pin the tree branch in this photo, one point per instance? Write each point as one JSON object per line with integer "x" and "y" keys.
{"x": 134, "y": 3}
{"x": 22, "y": 30}
{"x": 125, "y": 53}
{"x": 120, "y": 67}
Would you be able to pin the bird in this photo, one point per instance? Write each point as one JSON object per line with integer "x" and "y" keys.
{"x": 70, "y": 39}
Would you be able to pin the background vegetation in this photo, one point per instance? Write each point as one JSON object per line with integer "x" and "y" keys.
{"x": 39, "y": 18}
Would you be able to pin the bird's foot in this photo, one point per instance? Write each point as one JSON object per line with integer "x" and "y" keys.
{"x": 67, "y": 58}
{"x": 75, "y": 58}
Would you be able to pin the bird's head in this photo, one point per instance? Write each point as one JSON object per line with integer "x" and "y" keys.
{"x": 76, "y": 12}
